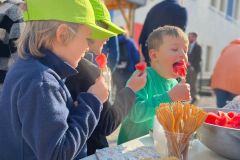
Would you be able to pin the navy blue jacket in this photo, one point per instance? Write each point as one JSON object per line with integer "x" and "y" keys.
{"x": 132, "y": 52}
{"x": 168, "y": 12}
{"x": 38, "y": 119}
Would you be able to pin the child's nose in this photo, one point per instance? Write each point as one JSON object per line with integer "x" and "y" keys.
{"x": 87, "y": 50}
{"x": 183, "y": 55}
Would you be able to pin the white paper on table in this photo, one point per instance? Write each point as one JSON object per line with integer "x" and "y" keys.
{"x": 121, "y": 153}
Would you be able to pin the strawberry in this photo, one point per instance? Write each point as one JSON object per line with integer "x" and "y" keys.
{"x": 235, "y": 121}
{"x": 211, "y": 118}
{"x": 231, "y": 114}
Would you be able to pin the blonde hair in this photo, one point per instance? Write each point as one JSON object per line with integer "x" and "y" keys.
{"x": 41, "y": 34}
{"x": 155, "y": 39}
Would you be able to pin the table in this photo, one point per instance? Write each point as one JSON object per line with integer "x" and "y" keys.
{"x": 197, "y": 152}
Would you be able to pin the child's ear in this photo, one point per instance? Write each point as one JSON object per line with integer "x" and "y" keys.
{"x": 61, "y": 33}
{"x": 152, "y": 54}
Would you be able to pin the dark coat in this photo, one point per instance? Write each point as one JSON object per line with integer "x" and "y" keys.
{"x": 111, "y": 115}
{"x": 195, "y": 57}
{"x": 168, "y": 12}
{"x": 10, "y": 25}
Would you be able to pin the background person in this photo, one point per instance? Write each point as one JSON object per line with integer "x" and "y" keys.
{"x": 225, "y": 78}
{"x": 167, "y": 12}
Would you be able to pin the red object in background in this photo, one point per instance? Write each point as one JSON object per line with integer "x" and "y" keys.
{"x": 230, "y": 119}
{"x": 141, "y": 66}
{"x": 101, "y": 61}
{"x": 180, "y": 68}
{"x": 137, "y": 32}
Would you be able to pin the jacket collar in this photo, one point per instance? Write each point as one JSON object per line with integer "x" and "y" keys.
{"x": 63, "y": 69}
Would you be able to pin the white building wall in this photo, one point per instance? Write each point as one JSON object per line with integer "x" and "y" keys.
{"x": 213, "y": 28}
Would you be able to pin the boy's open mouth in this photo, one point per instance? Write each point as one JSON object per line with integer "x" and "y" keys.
{"x": 180, "y": 63}
{"x": 180, "y": 68}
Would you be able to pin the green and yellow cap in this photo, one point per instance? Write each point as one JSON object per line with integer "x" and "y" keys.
{"x": 75, "y": 11}
{"x": 102, "y": 14}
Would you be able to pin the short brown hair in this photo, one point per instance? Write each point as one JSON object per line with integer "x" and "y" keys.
{"x": 194, "y": 34}
{"x": 155, "y": 39}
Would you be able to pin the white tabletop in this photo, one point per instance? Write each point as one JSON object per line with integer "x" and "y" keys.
{"x": 197, "y": 152}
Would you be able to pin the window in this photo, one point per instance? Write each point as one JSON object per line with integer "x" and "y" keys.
{"x": 230, "y": 8}
{"x": 233, "y": 9}
{"x": 214, "y": 3}
{"x": 222, "y": 6}
{"x": 208, "y": 59}
{"x": 236, "y": 10}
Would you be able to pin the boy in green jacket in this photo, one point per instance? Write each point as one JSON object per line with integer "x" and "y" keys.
{"x": 167, "y": 47}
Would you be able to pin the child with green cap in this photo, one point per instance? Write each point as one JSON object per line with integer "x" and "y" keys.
{"x": 38, "y": 118}
{"x": 112, "y": 114}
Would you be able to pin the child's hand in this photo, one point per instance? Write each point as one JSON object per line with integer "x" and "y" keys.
{"x": 181, "y": 92}
{"x": 137, "y": 81}
{"x": 100, "y": 89}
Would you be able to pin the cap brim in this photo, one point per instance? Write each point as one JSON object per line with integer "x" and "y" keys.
{"x": 114, "y": 28}
{"x": 100, "y": 33}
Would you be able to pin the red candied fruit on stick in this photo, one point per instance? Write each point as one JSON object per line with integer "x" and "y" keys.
{"x": 101, "y": 61}
{"x": 141, "y": 66}
{"x": 180, "y": 69}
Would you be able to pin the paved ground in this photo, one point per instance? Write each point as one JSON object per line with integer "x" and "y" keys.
{"x": 204, "y": 101}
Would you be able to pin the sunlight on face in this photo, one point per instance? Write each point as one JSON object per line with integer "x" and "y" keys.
{"x": 96, "y": 46}
{"x": 79, "y": 44}
{"x": 191, "y": 38}
{"x": 173, "y": 49}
